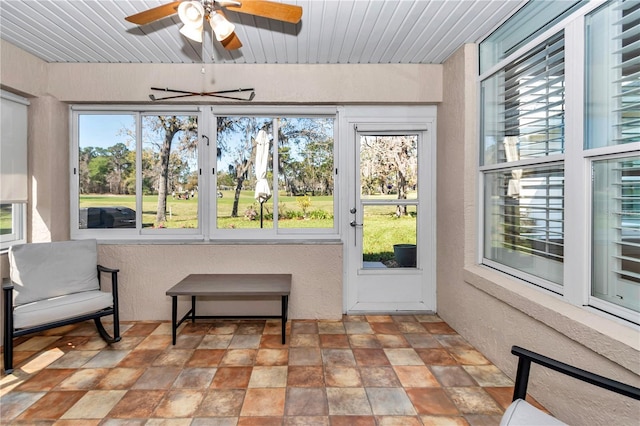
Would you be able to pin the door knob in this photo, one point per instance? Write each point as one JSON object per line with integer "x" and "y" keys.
{"x": 354, "y": 223}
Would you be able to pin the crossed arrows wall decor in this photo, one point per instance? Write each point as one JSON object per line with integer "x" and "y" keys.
{"x": 218, "y": 94}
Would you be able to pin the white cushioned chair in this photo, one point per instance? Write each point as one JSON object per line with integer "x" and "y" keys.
{"x": 56, "y": 284}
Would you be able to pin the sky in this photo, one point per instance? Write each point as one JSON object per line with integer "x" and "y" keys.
{"x": 104, "y": 130}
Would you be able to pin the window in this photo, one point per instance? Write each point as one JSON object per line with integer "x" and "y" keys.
{"x": 13, "y": 170}
{"x": 523, "y": 129}
{"x": 526, "y": 24}
{"x": 616, "y": 232}
{"x": 275, "y": 174}
{"x": 194, "y": 174}
{"x": 531, "y": 167}
{"x": 613, "y": 122}
{"x": 137, "y": 174}
{"x": 613, "y": 75}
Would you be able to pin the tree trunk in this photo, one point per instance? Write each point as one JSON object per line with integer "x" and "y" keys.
{"x": 402, "y": 194}
{"x": 236, "y": 200}
{"x": 161, "y": 213}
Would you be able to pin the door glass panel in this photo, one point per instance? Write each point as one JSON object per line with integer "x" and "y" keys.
{"x": 388, "y": 167}
{"x": 389, "y": 172}
{"x": 389, "y": 240}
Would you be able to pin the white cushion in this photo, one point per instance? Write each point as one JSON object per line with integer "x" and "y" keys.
{"x": 521, "y": 413}
{"x": 60, "y": 308}
{"x": 46, "y": 270}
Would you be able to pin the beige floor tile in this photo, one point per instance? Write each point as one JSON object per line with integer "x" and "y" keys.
{"x": 94, "y": 404}
{"x": 268, "y": 377}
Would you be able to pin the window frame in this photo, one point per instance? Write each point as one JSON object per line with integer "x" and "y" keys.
{"x": 534, "y": 162}
{"x": 138, "y": 233}
{"x": 18, "y": 225}
{"x": 577, "y": 159}
{"x": 207, "y": 163}
{"x": 275, "y": 233}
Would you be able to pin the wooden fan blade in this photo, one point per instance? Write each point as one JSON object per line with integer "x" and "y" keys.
{"x": 232, "y": 42}
{"x": 154, "y": 14}
{"x": 269, "y": 9}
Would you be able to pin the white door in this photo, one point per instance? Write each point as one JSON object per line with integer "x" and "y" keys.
{"x": 390, "y": 265}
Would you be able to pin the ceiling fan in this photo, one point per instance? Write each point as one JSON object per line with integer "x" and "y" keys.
{"x": 194, "y": 13}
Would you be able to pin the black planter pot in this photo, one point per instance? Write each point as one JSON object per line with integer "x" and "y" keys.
{"x": 405, "y": 255}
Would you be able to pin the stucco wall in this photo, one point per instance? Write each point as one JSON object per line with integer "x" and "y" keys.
{"x": 493, "y": 311}
{"x": 148, "y": 271}
{"x": 48, "y": 213}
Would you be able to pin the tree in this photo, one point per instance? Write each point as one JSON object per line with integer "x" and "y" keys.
{"x": 389, "y": 162}
{"x": 99, "y": 168}
{"x": 120, "y": 165}
{"x": 160, "y": 131}
{"x": 305, "y": 152}
{"x": 243, "y": 153}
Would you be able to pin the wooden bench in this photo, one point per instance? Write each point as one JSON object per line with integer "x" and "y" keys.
{"x": 230, "y": 286}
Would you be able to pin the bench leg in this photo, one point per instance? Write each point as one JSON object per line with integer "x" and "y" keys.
{"x": 285, "y": 308}
{"x": 193, "y": 309}
{"x": 8, "y": 349}
{"x": 7, "y": 299}
{"x": 174, "y": 317}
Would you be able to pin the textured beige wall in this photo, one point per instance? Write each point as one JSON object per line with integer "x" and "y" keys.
{"x": 494, "y": 312}
{"x": 21, "y": 72}
{"x": 287, "y": 84}
{"x": 148, "y": 271}
{"x": 48, "y": 136}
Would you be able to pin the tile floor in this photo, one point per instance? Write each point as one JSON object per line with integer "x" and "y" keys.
{"x": 363, "y": 370}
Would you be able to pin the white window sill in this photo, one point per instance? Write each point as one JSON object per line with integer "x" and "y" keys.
{"x": 307, "y": 241}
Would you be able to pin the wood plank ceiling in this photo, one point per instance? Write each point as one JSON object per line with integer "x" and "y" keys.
{"x": 331, "y": 32}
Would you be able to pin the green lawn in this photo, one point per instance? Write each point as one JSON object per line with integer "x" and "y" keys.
{"x": 183, "y": 213}
{"x": 382, "y": 228}
{"x": 6, "y": 225}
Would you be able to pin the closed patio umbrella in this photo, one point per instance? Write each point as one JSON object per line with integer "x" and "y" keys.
{"x": 263, "y": 193}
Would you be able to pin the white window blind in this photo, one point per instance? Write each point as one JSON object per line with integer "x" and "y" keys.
{"x": 616, "y": 231}
{"x": 524, "y": 119}
{"x": 13, "y": 148}
{"x": 534, "y": 100}
{"x": 616, "y": 181}
{"x": 627, "y": 71}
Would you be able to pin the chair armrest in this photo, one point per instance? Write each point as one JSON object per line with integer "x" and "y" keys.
{"x": 526, "y": 357}
{"x": 114, "y": 279}
{"x": 105, "y": 269}
{"x": 7, "y": 290}
{"x": 7, "y": 284}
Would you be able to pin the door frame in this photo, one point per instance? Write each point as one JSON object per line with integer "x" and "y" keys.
{"x": 401, "y": 119}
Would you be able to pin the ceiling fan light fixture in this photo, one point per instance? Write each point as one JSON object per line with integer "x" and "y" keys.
{"x": 191, "y": 13}
{"x": 221, "y": 27}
